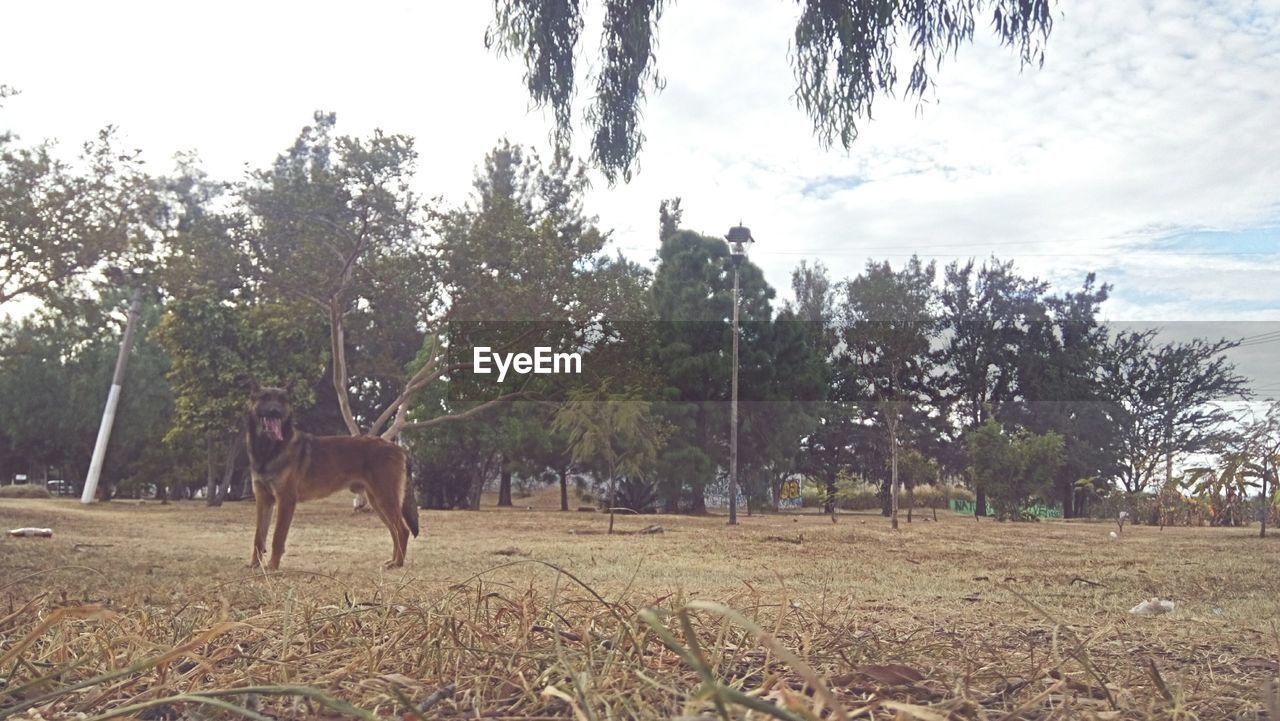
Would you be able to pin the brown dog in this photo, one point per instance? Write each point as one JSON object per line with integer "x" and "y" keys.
{"x": 289, "y": 466}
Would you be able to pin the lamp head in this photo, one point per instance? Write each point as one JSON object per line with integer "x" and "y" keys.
{"x": 739, "y": 235}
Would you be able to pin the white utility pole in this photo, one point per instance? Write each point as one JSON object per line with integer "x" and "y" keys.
{"x": 113, "y": 400}
{"x": 737, "y": 237}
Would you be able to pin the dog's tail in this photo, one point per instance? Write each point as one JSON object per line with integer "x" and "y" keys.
{"x": 409, "y": 506}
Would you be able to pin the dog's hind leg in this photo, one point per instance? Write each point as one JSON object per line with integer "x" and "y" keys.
{"x": 263, "y": 500}
{"x": 389, "y": 512}
{"x": 284, "y": 517}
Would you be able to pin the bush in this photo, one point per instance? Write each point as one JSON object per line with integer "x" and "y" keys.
{"x": 26, "y": 490}
{"x": 812, "y": 495}
{"x": 856, "y": 495}
{"x": 939, "y": 496}
{"x": 1143, "y": 508}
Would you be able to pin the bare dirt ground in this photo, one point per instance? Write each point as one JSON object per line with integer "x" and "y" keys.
{"x": 143, "y": 610}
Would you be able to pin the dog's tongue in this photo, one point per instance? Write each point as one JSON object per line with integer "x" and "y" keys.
{"x": 272, "y": 428}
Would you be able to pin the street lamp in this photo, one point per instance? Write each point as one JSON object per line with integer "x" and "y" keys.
{"x": 738, "y": 237}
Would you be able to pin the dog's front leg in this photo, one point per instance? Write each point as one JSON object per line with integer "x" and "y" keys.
{"x": 263, "y": 499}
{"x": 284, "y": 516}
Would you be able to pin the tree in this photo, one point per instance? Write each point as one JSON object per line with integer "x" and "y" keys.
{"x": 916, "y": 469}
{"x": 218, "y": 351}
{"x": 614, "y": 432}
{"x": 221, "y": 332}
{"x": 987, "y": 316}
{"x": 1164, "y": 400}
{"x": 1265, "y": 435}
{"x": 843, "y": 53}
{"x": 1014, "y": 469}
{"x": 889, "y": 325}
{"x": 54, "y": 366}
{"x": 783, "y": 384}
{"x": 1060, "y": 390}
{"x": 333, "y": 223}
{"x": 1246, "y": 458}
{"x": 57, "y": 226}
{"x": 692, "y": 299}
{"x": 826, "y": 449}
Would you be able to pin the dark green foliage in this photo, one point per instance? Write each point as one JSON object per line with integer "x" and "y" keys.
{"x": 843, "y": 53}
{"x": 58, "y": 224}
{"x": 1014, "y": 469}
{"x": 692, "y": 299}
{"x": 55, "y": 371}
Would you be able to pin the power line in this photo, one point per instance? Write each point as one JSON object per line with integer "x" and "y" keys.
{"x": 1261, "y": 336}
{"x": 1259, "y": 342}
{"x": 879, "y": 250}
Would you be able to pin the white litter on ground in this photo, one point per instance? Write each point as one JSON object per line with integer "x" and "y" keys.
{"x": 1152, "y": 607}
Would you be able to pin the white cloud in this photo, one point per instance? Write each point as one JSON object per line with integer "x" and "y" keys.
{"x": 1147, "y": 118}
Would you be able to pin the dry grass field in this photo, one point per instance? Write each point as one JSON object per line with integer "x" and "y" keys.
{"x": 143, "y": 610}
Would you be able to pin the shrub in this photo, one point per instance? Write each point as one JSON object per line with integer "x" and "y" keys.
{"x": 1014, "y": 468}
{"x": 1143, "y": 508}
{"x": 857, "y": 497}
{"x": 939, "y": 496}
{"x": 812, "y": 495}
{"x": 27, "y": 490}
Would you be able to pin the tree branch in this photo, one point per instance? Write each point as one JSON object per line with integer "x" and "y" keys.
{"x": 396, "y": 428}
{"x": 429, "y": 372}
{"x": 337, "y": 347}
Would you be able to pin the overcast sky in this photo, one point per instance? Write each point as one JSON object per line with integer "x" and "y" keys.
{"x": 1146, "y": 149}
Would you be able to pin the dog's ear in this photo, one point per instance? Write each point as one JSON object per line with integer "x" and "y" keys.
{"x": 288, "y": 387}
{"x": 254, "y": 388}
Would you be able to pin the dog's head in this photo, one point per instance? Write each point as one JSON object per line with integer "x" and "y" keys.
{"x": 271, "y": 412}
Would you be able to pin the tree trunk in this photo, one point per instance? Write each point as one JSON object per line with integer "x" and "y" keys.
{"x": 893, "y": 469}
{"x": 504, "y": 486}
{"x": 477, "y": 487}
{"x": 1068, "y": 495}
{"x": 911, "y": 502}
{"x": 564, "y": 489}
{"x": 246, "y": 484}
{"x": 980, "y": 502}
{"x": 233, "y": 447}
{"x": 1266, "y": 505}
{"x": 613, "y": 499}
{"x": 39, "y": 474}
{"x": 829, "y": 504}
{"x": 211, "y": 497}
{"x": 699, "y": 506}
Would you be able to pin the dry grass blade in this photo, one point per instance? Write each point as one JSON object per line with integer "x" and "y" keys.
{"x": 650, "y": 617}
{"x": 517, "y": 641}
{"x": 699, "y": 659}
{"x": 1158, "y": 680}
{"x": 180, "y": 699}
{"x": 133, "y": 668}
{"x": 914, "y": 711}
{"x": 1078, "y": 650}
{"x": 213, "y": 698}
{"x": 806, "y": 672}
{"x": 53, "y": 619}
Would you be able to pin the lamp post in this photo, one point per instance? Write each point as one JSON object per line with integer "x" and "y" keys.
{"x": 738, "y": 237}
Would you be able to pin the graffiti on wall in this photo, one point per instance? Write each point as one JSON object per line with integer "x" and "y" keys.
{"x": 789, "y": 497}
